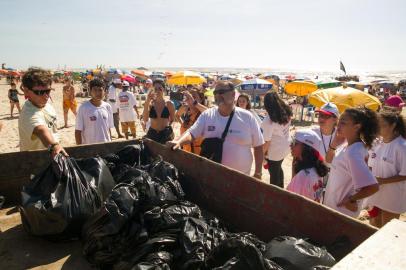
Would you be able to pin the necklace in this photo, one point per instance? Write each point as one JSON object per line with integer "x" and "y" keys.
{"x": 322, "y": 139}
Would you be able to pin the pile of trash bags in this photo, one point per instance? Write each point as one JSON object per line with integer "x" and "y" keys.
{"x": 145, "y": 222}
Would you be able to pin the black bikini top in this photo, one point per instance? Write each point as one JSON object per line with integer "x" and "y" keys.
{"x": 164, "y": 114}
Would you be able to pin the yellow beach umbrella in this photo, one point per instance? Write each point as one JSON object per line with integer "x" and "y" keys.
{"x": 344, "y": 97}
{"x": 300, "y": 88}
{"x": 185, "y": 78}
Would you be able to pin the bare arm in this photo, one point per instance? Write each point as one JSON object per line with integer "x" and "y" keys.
{"x": 259, "y": 157}
{"x": 390, "y": 180}
{"x": 186, "y": 138}
{"x": 351, "y": 202}
{"x": 145, "y": 112}
{"x": 265, "y": 147}
{"x": 179, "y": 113}
{"x": 78, "y": 137}
{"x": 172, "y": 112}
{"x": 46, "y": 138}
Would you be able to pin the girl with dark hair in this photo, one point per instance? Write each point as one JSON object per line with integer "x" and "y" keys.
{"x": 350, "y": 179}
{"x": 388, "y": 163}
{"x": 309, "y": 168}
{"x": 275, "y": 128}
{"x": 244, "y": 102}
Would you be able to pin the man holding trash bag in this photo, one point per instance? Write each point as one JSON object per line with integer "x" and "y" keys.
{"x": 37, "y": 122}
{"x": 229, "y": 133}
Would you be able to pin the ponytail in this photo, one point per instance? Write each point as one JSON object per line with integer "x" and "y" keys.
{"x": 369, "y": 123}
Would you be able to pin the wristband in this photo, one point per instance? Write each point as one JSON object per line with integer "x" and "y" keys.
{"x": 332, "y": 148}
{"x": 51, "y": 147}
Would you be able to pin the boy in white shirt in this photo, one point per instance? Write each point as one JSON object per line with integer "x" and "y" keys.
{"x": 95, "y": 117}
{"x": 127, "y": 107}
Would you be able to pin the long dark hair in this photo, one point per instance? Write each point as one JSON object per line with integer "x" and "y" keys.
{"x": 247, "y": 97}
{"x": 368, "y": 120}
{"x": 393, "y": 117}
{"x": 277, "y": 109}
{"x": 310, "y": 159}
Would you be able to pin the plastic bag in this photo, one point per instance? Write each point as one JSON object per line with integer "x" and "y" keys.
{"x": 292, "y": 253}
{"x": 155, "y": 261}
{"x": 57, "y": 202}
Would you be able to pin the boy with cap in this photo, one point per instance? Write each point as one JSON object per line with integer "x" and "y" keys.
{"x": 308, "y": 166}
{"x": 112, "y": 100}
{"x": 127, "y": 107}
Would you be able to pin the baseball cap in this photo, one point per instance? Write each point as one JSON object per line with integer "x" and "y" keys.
{"x": 125, "y": 83}
{"x": 308, "y": 137}
{"x": 329, "y": 109}
{"x": 117, "y": 81}
{"x": 148, "y": 81}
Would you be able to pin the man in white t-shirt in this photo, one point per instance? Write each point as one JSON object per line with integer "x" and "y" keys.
{"x": 112, "y": 100}
{"x": 37, "y": 122}
{"x": 127, "y": 107}
{"x": 95, "y": 117}
{"x": 244, "y": 132}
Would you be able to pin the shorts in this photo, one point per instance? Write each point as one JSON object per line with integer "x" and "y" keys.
{"x": 67, "y": 104}
{"x": 14, "y": 100}
{"x": 161, "y": 136}
{"x": 374, "y": 212}
{"x": 128, "y": 125}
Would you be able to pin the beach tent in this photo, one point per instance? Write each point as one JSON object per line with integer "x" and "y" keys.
{"x": 344, "y": 97}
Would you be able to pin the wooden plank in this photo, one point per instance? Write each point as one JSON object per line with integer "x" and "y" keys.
{"x": 16, "y": 168}
{"x": 386, "y": 249}
{"x": 263, "y": 209}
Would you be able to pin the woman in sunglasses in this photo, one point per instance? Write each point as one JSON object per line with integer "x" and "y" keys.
{"x": 37, "y": 122}
{"x": 161, "y": 114}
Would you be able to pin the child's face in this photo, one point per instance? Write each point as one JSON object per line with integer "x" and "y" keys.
{"x": 296, "y": 149}
{"x": 13, "y": 86}
{"x": 97, "y": 93}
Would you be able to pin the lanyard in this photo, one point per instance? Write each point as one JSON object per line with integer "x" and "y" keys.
{"x": 322, "y": 139}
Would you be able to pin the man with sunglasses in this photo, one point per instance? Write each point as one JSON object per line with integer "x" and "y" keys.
{"x": 243, "y": 134}
{"x": 37, "y": 122}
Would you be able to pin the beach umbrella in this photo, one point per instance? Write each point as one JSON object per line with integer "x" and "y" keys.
{"x": 129, "y": 78}
{"x": 327, "y": 84}
{"x": 300, "y": 88}
{"x": 141, "y": 73}
{"x": 344, "y": 97}
{"x": 185, "y": 78}
{"x": 3, "y": 72}
{"x": 256, "y": 86}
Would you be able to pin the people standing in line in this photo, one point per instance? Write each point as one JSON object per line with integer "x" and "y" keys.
{"x": 160, "y": 112}
{"x": 243, "y": 101}
{"x": 388, "y": 164}
{"x": 95, "y": 117}
{"x": 13, "y": 98}
{"x": 309, "y": 168}
{"x": 127, "y": 108}
{"x": 112, "y": 93}
{"x": 243, "y": 136}
{"x": 69, "y": 100}
{"x": 188, "y": 114}
{"x": 275, "y": 128}
{"x": 37, "y": 122}
{"x": 350, "y": 180}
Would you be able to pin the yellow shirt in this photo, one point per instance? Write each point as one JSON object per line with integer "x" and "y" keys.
{"x": 31, "y": 117}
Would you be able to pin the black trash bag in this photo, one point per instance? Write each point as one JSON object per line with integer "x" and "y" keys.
{"x": 115, "y": 227}
{"x": 162, "y": 170}
{"x": 155, "y": 261}
{"x": 137, "y": 253}
{"x": 58, "y": 201}
{"x": 240, "y": 251}
{"x": 197, "y": 240}
{"x": 133, "y": 155}
{"x": 170, "y": 216}
{"x": 123, "y": 173}
{"x": 292, "y": 253}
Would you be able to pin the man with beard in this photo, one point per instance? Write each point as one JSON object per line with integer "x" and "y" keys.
{"x": 243, "y": 133}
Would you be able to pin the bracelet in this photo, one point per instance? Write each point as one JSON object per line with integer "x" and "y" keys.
{"x": 332, "y": 148}
{"x": 51, "y": 147}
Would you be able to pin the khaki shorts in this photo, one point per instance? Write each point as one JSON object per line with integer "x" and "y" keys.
{"x": 128, "y": 125}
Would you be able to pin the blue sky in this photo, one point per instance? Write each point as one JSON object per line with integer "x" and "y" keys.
{"x": 290, "y": 34}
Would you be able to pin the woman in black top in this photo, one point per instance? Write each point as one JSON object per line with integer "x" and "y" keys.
{"x": 13, "y": 97}
{"x": 161, "y": 114}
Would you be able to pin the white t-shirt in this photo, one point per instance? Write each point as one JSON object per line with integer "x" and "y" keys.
{"x": 349, "y": 172}
{"x": 243, "y": 134}
{"x": 278, "y": 135}
{"x": 387, "y": 160}
{"x": 112, "y": 95}
{"x": 94, "y": 122}
{"x": 327, "y": 139}
{"x": 126, "y": 103}
{"x": 307, "y": 183}
{"x": 31, "y": 117}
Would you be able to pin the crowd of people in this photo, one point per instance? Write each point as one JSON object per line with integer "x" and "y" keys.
{"x": 350, "y": 161}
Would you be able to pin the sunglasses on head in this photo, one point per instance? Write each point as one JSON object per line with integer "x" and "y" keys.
{"x": 221, "y": 91}
{"x": 41, "y": 92}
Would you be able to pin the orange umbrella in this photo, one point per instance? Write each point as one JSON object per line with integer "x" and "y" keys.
{"x": 141, "y": 73}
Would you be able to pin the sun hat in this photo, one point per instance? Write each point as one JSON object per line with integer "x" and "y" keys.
{"x": 329, "y": 109}
{"x": 148, "y": 81}
{"x": 308, "y": 137}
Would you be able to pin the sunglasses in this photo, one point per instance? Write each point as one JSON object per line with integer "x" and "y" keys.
{"x": 41, "y": 92}
{"x": 323, "y": 115}
{"x": 221, "y": 91}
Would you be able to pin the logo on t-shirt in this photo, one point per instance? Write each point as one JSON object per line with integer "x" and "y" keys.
{"x": 373, "y": 155}
{"x": 93, "y": 118}
{"x": 123, "y": 98}
{"x": 211, "y": 128}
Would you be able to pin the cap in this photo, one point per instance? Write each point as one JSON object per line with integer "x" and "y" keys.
{"x": 117, "y": 81}
{"x": 329, "y": 109}
{"x": 308, "y": 137}
{"x": 126, "y": 84}
{"x": 148, "y": 81}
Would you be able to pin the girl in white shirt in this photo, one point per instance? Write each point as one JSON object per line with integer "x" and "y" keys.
{"x": 308, "y": 168}
{"x": 388, "y": 163}
{"x": 276, "y": 135}
{"x": 350, "y": 179}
